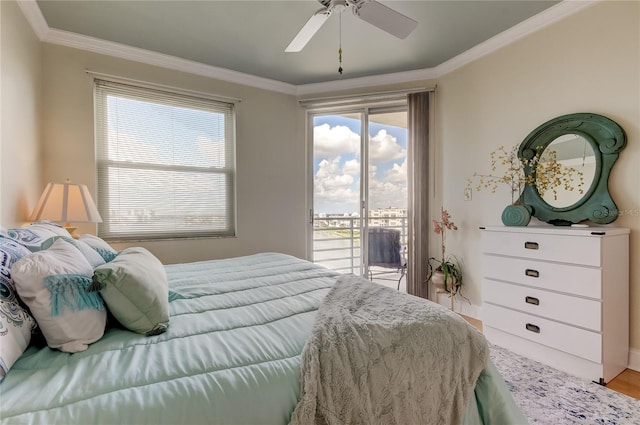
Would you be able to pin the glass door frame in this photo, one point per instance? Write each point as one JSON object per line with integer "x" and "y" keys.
{"x": 365, "y": 112}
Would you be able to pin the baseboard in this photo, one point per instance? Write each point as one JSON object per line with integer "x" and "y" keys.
{"x": 460, "y": 305}
{"x": 634, "y": 359}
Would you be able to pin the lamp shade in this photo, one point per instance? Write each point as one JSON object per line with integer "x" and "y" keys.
{"x": 66, "y": 202}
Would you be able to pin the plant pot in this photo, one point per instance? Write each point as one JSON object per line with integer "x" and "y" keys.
{"x": 437, "y": 280}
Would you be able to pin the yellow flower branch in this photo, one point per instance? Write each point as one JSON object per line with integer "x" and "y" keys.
{"x": 549, "y": 173}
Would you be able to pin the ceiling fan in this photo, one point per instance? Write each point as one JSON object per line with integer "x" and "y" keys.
{"x": 377, "y": 14}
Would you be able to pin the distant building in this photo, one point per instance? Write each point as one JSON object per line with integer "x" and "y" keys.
{"x": 387, "y": 217}
{"x": 378, "y": 217}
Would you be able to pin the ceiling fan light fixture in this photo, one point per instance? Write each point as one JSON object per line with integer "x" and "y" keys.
{"x": 338, "y": 5}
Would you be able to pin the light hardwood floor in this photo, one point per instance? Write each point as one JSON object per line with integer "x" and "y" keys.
{"x": 628, "y": 382}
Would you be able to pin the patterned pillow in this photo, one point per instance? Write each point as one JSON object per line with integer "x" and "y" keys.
{"x": 54, "y": 283}
{"x": 100, "y": 245}
{"x": 34, "y": 235}
{"x": 16, "y": 324}
{"x": 11, "y": 251}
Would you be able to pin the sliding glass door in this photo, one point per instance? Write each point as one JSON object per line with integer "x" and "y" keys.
{"x": 386, "y": 206}
{"x": 337, "y": 191}
{"x": 359, "y": 187}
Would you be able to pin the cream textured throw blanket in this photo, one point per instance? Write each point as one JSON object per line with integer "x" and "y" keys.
{"x": 378, "y": 356}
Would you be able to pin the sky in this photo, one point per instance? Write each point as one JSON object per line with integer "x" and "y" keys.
{"x": 337, "y": 161}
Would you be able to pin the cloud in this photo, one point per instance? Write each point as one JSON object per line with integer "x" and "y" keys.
{"x": 397, "y": 174}
{"x": 352, "y": 167}
{"x": 337, "y": 182}
{"x": 334, "y": 141}
{"x": 384, "y": 147}
{"x": 387, "y": 193}
{"x": 333, "y": 185}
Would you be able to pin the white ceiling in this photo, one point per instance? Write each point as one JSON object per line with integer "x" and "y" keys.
{"x": 249, "y": 37}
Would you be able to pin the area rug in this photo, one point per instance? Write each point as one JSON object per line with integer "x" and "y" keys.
{"x": 549, "y": 396}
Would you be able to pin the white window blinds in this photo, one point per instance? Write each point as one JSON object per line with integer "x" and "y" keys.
{"x": 165, "y": 162}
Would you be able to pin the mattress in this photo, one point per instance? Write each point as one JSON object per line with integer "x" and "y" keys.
{"x": 231, "y": 355}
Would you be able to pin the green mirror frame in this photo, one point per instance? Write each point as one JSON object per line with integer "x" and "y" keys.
{"x": 607, "y": 139}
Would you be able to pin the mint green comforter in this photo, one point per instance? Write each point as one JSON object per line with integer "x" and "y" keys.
{"x": 231, "y": 355}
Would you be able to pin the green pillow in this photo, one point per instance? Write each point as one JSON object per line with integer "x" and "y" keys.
{"x": 134, "y": 287}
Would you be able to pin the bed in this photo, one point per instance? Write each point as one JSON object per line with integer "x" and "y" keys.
{"x": 231, "y": 354}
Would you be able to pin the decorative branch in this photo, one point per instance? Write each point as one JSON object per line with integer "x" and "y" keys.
{"x": 549, "y": 173}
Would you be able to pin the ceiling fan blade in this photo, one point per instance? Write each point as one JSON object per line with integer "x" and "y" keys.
{"x": 385, "y": 18}
{"x": 308, "y": 30}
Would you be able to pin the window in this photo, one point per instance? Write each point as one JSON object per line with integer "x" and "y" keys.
{"x": 165, "y": 162}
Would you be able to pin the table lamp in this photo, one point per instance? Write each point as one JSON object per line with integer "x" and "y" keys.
{"x": 65, "y": 203}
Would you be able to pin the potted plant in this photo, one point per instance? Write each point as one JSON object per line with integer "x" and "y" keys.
{"x": 445, "y": 273}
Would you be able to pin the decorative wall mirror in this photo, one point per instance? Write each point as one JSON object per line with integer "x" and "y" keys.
{"x": 567, "y": 162}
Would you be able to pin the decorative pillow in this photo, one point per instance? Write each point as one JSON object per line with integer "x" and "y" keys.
{"x": 11, "y": 251}
{"x": 54, "y": 284}
{"x": 134, "y": 287}
{"x": 34, "y": 235}
{"x": 89, "y": 253}
{"x": 100, "y": 245}
{"x": 16, "y": 324}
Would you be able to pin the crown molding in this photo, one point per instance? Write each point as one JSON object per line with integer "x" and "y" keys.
{"x": 534, "y": 24}
{"x": 149, "y": 57}
{"x": 545, "y": 18}
{"x": 34, "y": 16}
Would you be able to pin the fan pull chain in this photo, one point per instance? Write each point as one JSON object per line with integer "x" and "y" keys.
{"x": 340, "y": 48}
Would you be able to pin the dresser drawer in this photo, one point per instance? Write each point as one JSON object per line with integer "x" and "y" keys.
{"x": 578, "y": 280}
{"x": 579, "y": 342}
{"x": 564, "y": 308}
{"x": 561, "y": 248}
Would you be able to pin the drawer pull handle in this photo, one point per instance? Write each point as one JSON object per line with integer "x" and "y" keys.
{"x": 532, "y": 273}
{"x": 531, "y": 245}
{"x": 533, "y": 328}
{"x": 532, "y": 300}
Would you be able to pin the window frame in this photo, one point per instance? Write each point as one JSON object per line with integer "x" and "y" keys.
{"x": 153, "y": 94}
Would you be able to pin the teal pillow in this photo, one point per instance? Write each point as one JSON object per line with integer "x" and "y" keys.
{"x": 134, "y": 287}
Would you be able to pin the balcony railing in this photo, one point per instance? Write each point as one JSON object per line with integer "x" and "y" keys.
{"x": 337, "y": 244}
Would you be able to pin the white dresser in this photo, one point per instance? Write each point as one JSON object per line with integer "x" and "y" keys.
{"x": 559, "y": 295}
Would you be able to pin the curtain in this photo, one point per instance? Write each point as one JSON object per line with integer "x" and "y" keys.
{"x": 418, "y": 118}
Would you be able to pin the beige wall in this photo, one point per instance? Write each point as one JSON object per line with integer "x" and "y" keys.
{"x": 270, "y": 151}
{"x": 20, "y": 93}
{"x": 589, "y": 62}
